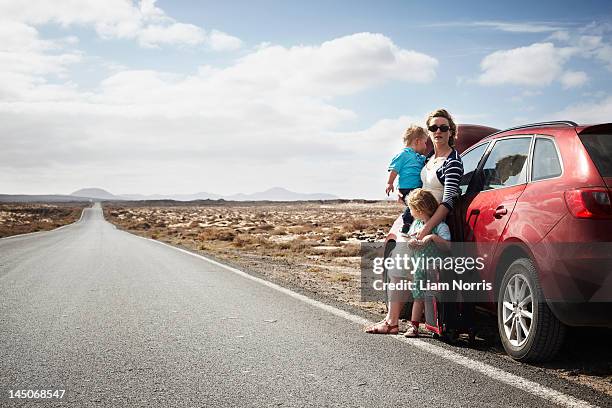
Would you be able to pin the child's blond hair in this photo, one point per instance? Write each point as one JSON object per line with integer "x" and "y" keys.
{"x": 422, "y": 201}
{"x": 414, "y": 132}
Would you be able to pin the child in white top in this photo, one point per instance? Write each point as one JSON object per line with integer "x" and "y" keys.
{"x": 422, "y": 206}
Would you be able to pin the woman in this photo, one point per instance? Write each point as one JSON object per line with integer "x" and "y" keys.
{"x": 441, "y": 176}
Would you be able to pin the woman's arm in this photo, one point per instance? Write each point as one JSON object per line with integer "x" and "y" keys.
{"x": 438, "y": 217}
{"x": 452, "y": 172}
{"x": 440, "y": 242}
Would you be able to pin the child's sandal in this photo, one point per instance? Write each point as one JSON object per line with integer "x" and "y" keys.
{"x": 413, "y": 331}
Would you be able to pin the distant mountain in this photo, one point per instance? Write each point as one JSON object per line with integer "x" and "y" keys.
{"x": 176, "y": 197}
{"x": 280, "y": 194}
{"x": 49, "y": 198}
{"x": 96, "y": 193}
{"x": 273, "y": 194}
{"x": 88, "y": 194}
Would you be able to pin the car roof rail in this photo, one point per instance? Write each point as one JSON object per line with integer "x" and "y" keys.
{"x": 539, "y": 124}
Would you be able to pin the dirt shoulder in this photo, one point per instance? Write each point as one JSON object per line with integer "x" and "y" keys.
{"x": 313, "y": 248}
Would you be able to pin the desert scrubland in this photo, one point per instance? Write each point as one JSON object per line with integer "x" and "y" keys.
{"x": 21, "y": 218}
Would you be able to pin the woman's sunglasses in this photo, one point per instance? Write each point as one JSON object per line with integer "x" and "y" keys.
{"x": 434, "y": 128}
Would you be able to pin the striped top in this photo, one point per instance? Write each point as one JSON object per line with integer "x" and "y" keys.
{"x": 449, "y": 174}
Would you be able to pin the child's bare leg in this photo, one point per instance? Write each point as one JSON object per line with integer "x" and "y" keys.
{"x": 417, "y": 310}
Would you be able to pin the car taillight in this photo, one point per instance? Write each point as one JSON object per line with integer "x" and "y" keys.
{"x": 589, "y": 203}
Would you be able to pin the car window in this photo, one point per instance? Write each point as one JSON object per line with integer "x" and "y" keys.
{"x": 470, "y": 162}
{"x": 546, "y": 162}
{"x": 600, "y": 150}
{"x": 506, "y": 164}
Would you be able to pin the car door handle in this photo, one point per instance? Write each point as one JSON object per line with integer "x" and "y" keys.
{"x": 474, "y": 213}
{"x": 500, "y": 212}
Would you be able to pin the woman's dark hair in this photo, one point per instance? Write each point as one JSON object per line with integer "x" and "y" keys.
{"x": 443, "y": 113}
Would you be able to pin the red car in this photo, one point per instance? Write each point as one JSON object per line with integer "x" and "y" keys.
{"x": 536, "y": 205}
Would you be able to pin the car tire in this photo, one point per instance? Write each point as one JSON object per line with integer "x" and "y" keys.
{"x": 528, "y": 329}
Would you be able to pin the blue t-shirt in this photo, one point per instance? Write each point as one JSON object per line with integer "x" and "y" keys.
{"x": 408, "y": 165}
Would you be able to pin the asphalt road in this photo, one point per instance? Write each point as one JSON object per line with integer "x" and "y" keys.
{"x": 117, "y": 320}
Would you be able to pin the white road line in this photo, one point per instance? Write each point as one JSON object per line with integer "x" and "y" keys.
{"x": 495, "y": 373}
{"x": 40, "y": 232}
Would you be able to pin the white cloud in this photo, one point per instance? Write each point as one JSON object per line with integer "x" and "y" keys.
{"x": 176, "y": 33}
{"x": 590, "y": 112}
{"x": 527, "y": 27}
{"x": 589, "y": 43}
{"x": 604, "y": 54}
{"x": 26, "y": 60}
{"x": 149, "y": 11}
{"x": 513, "y": 27}
{"x": 65, "y": 12}
{"x": 341, "y": 66}
{"x": 149, "y": 25}
{"x": 539, "y": 64}
{"x": 272, "y": 109}
{"x": 220, "y": 41}
{"x": 573, "y": 79}
{"x": 597, "y": 28}
{"x": 535, "y": 65}
{"x": 561, "y": 36}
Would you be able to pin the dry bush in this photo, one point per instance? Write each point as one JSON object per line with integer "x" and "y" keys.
{"x": 301, "y": 229}
{"x": 355, "y": 225}
{"x": 338, "y": 237}
{"x": 341, "y": 277}
{"x": 217, "y": 234}
{"x": 278, "y": 231}
{"x": 247, "y": 241}
{"x": 349, "y": 250}
{"x": 283, "y": 245}
{"x": 383, "y": 222}
{"x": 194, "y": 224}
{"x": 299, "y": 246}
{"x": 191, "y": 234}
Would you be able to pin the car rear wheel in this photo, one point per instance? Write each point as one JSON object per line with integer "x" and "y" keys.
{"x": 529, "y": 331}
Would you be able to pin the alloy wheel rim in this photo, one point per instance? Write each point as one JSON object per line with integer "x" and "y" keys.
{"x": 517, "y": 312}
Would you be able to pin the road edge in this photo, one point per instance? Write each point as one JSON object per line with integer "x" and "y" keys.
{"x": 514, "y": 380}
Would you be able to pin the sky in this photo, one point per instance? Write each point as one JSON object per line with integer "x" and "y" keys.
{"x": 167, "y": 97}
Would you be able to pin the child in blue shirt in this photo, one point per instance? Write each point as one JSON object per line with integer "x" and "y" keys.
{"x": 408, "y": 165}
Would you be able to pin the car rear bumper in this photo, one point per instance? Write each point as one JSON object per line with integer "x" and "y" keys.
{"x": 594, "y": 314}
{"x": 575, "y": 262}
